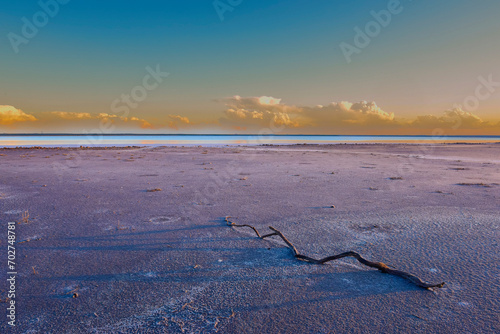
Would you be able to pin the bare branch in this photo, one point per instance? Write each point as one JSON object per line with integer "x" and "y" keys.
{"x": 377, "y": 265}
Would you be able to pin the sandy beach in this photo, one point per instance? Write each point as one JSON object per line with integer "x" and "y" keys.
{"x": 133, "y": 240}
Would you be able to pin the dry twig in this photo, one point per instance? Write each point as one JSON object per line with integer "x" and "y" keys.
{"x": 378, "y": 265}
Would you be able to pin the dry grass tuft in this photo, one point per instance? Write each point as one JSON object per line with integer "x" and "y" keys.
{"x": 25, "y": 217}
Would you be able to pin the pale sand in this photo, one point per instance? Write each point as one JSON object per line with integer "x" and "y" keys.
{"x": 164, "y": 261}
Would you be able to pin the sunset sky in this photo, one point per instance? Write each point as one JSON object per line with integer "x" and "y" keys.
{"x": 240, "y": 66}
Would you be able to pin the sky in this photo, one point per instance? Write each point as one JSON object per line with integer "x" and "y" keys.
{"x": 250, "y": 66}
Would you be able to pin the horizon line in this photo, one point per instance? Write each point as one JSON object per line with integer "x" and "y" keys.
{"x": 231, "y": 134}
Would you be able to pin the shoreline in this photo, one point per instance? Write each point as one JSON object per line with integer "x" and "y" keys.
{"x": 108, "y": 147}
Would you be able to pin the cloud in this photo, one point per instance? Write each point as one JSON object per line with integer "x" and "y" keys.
{"x": 178, "y": 118}
{"x": 10, "y": 115}
{"x": 251, "y": 114}
{"x": 176, "y": 121}
{"x": 266, "y": 111}
{"x": 70, "y": 115}
{"x": 451, "y": 119}
{"x": 78, "y": 118}
{"x": 106, "y": 116}
{"x": 255, "y": 112}
{"x": 346, "y": 113}
{"x": 143, "y": 123}
{"x": 75, "y": 120}
{"x": 264, "y": 114}
{"x": 68, "y": 121}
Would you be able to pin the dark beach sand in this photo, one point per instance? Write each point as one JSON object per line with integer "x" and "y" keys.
{"x": 165, "y": 262}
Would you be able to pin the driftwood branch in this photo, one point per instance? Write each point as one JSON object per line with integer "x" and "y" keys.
{"x": 377, "y": 265}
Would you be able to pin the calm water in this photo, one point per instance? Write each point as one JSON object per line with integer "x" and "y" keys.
{"x": 220, "y": 140}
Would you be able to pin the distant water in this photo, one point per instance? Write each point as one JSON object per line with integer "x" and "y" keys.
{"x": 221, "y": 140}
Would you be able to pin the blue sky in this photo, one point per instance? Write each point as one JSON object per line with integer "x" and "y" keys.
{"x": 426, "y": 60}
